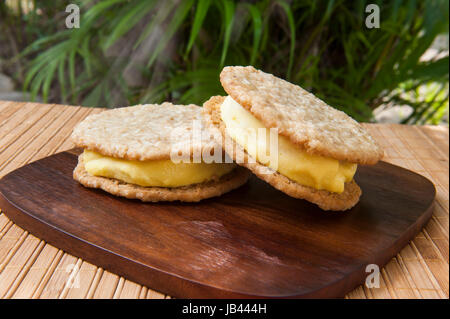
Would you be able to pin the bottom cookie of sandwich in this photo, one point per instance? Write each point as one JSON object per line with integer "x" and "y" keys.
{"x": 324, "y": 199}
{"x": 191, "y": 193}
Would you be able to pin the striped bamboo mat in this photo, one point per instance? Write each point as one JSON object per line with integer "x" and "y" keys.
{"x": 30, "y": 268}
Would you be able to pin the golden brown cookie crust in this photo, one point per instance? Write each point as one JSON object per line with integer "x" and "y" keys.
{"x": 324, "y": 199}
{"x": 193, "y": 193}
{"x": 300, "y": 116}
{"x": 144, "y": 132}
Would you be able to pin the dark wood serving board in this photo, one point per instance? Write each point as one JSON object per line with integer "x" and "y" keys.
{"x": 252, "y": 242}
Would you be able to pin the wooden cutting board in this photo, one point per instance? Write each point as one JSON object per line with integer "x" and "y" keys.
{"x": 252, "y": 242}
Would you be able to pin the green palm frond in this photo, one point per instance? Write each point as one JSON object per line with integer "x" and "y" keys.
{"x": 323, "y": 46}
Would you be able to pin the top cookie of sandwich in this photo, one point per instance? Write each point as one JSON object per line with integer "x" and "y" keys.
{"x": 300, "y": 116}
{"x": 144, "y": 132}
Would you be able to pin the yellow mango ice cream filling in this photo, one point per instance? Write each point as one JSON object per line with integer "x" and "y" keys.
{"x": 158, "y": 173}
{"x": 306, "y": 169}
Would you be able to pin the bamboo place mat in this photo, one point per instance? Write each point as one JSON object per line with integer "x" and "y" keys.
{"x": 31, "y": 268}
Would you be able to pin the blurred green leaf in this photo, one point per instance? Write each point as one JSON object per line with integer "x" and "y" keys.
{"x": 200, "y": 14}
{"x": 177, "y": 19}
{"x": 228, "y": 26}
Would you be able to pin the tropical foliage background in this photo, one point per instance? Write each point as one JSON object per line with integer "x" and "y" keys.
{"x": 146, "y": 51}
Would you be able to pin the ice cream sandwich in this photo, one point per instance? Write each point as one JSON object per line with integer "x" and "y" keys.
{"x": 147, "y": 152}
{"x": 318, "y": 147}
